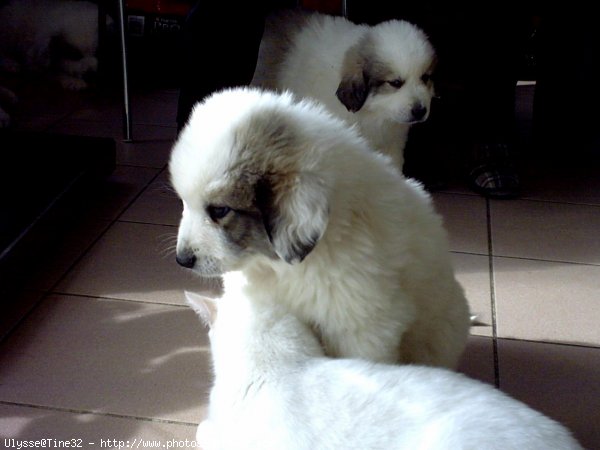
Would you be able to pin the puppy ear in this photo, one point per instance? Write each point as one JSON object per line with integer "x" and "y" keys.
{"x": 295, "y": 212}
{"x": 354, "y": 87}
{"x": 205, "y": 307}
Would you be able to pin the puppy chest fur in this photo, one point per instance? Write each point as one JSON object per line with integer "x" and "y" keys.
{"x": 291, "y": 196}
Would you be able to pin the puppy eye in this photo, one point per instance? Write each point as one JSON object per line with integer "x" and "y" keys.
{"x": 396, "y": 83}
{"x": 216, "y": 213}
{"x": 426, "y": 78}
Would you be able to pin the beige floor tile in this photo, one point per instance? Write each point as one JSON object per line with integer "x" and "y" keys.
{"x": 473, "y": 273}
{"x": 150, "y": 108}
{"x": 456, "y": 185}
{"x": 546, "y": 301}
{"x": 153, "y": 151}
{"x": 121, "y": 187}
{"x": 548, "y": 231}
{"x": 102, "y": 108}
{"x": 16, "y": 303}
{"x": 133, "y": 262}
{"x": 109, "y": 356}
{"x": 40, "y": 98}
{"x": 155, "y": 108}
{"x": 89, "y": 431}
{"x": 96, "y": 105}
{"x": 83, "y": 224}
{"x": 159, "y": 204}
{"x": 465, "y": 219}
{"x": 580, "y": 185}
{"x": 67, "y": 246}
{"x": 151, "y": 146}
{"x": 110, "y": 128}
{"x": 35, "y": 123}
{"x": 87, "y": 223}
{"x": 478, "y": 359}
{"x": 558, "y": 380}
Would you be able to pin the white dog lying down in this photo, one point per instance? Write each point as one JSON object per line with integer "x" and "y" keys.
{"x": 319, "y": 222}
{"x": 275, "y": 390}
{"x": 376, "y": 77}
{"x": 32, "y": 28}
{"x": 47, "y": 36}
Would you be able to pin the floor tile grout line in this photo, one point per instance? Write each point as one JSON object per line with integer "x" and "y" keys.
{"x": 138, "y": 166}
{"x": 47, "y": 292}
{"x": 557, "y": 202}
{"x": 492, "y": 294}
{"x": 112, "y": 222}
{"x": 54, "y": 123}
{"x": 96, "y": 413}
{"x": 69, "y": 116}
{"x": 554, "y": 202}
{"x": 140, "y": 222}
{"x": 564, "y": 344}
{"x": 555, "y": 261}
{"x": 455, "y": 193}
{"x": 521, "y": 199}
{"x": 462, "y": 252}
{"x": 115, "y": 299}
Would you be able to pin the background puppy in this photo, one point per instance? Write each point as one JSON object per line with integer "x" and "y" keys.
{"x": 274, "y": 389}
{"x": 50, "y": 35}
{"x": 317, "y": 221}
{"x": 377, "y": 77}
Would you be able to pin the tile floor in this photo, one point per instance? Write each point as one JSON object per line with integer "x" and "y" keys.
{"x": 111, "y": 352}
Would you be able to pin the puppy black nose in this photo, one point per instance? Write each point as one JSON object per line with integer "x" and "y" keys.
{"x": 418, "y": 112}
{"x": 187, "y": 260}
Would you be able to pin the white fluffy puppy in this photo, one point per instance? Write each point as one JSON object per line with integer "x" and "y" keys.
{"x": 295, "y": 199}
{"x": 275, "y": 390}
{"x": 377, "y": 77}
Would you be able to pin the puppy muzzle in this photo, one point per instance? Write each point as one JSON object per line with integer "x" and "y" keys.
{"x": 206, "y": 266}
{"x": 186, "y": 259}
{"x": 418, "y": 113}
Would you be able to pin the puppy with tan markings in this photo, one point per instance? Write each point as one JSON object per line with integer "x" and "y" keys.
{"x": 317, "y": 221}
{"x": 378, "y": 77}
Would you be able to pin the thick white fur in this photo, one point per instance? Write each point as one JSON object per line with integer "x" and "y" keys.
{"x": 356, "y": 250}
{"x": 305, "y": 53}
{"x": 274, "y": 389}
{"x": 28, "y": 26}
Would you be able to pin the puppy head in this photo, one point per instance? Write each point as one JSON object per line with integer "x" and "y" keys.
{"x": 388, "y": 73}
{"x": 247, "y": 192}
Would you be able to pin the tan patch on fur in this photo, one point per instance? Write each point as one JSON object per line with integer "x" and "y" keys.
{"x": 264, "y": 172}
{"x": 361, "y": 72}
{"x": 268, "y": 148}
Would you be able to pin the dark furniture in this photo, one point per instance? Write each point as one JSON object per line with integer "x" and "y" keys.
{"x": 45, "y": 181}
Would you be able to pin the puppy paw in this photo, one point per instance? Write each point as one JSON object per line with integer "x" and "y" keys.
{"x": 70, "y": 83}
{"x": 80, "y": 67}
{"x": 4, "y": 119}
{"x": 89, "y": 64}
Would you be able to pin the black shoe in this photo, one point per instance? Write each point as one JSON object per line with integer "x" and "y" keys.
{"x": 492, "y": 172}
